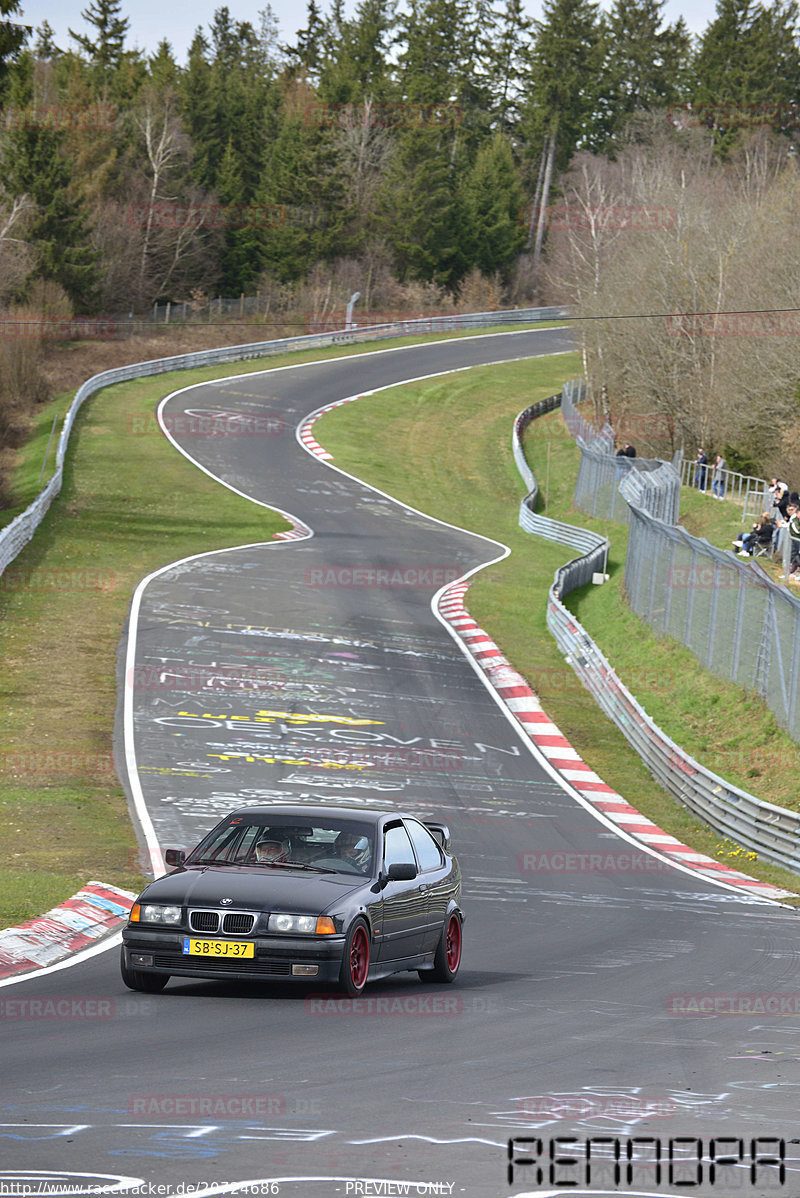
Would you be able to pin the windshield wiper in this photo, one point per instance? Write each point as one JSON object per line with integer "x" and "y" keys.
{"x": 320, "y": 869}
{"x": 211, "y": 861}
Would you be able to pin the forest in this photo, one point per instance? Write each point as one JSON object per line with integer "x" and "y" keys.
{"x": 439, "y": 154}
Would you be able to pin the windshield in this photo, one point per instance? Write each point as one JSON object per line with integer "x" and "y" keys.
{"x": 271, "y": 842}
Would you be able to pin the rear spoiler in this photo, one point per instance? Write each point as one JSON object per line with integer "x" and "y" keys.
{"x": 440, "y": 832}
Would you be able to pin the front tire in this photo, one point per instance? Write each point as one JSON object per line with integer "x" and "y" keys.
{"x": 355, "y": 959}
{"x": 448, "y": 953}
{"x": 137, "y": 979}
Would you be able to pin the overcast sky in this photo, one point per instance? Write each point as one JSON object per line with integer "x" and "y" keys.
{"x": 151, "y": 20}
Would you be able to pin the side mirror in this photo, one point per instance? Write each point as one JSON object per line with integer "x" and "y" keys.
{"x": 175, "y": 856}
{"x": 402, "y": 871}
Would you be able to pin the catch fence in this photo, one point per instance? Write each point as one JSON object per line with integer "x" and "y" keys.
{"x": 772, "y": 832}
{"x": 601, "y": 469}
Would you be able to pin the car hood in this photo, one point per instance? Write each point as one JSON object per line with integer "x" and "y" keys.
{"x": 260, "y": 888}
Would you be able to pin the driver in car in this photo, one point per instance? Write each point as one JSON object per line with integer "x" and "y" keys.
{"x": 271, "y": 852}
{"x": 353, "y": 848}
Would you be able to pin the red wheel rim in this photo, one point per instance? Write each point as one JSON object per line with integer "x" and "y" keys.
{"x": 453, "y": 943}
{"x": 359, "y": 958}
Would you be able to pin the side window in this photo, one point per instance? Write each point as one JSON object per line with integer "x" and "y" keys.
{"x": 427, "y": 849}
{"x": 397, "y": 848}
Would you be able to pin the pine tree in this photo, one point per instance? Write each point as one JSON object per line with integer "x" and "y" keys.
{"x": 240, "y": 255}
{"x": 308, "y": 51}
{"x": 507, "y": 62}
{"x": 12, "y": 38}
{"x": 425, "y": 217}
{"x": 568, "y": 91}
{"x": 35, "y": 164}
{"x": 748, "y": 56}
{"x": 301, "y": 196}
{"x": 104, "y": 50}
{"x": 45, "y": 47}
{"x": 647, "y": 61}
{"x": 494, "y": 204}
{"x": 354, "y": 61}
{"x": 568, "y": 104}
{"x": 162, "y": 67}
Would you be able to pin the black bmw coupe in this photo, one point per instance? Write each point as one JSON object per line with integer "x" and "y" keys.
{"x": 331, "y": 895}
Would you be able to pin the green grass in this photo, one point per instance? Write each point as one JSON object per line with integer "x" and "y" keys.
{"x": 444, "y": 447}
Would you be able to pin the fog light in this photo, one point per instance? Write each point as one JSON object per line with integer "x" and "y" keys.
{"x": 141, "y": 959}
{"x": 305, "y": 971}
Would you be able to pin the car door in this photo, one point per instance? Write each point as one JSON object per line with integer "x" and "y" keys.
{"x": 433, "y": 880}
{"x": 403, "y": 904}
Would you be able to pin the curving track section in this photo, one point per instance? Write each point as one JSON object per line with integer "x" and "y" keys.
{"x": 603, "y": 993}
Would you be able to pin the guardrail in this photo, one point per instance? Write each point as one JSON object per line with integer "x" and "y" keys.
{"x": 18, "y": 533}
{"x": 772, "y": 832}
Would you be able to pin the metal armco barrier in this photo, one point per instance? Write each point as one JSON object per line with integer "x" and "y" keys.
{"x": 770, "y": 831}
{"x": 16, "y": 535}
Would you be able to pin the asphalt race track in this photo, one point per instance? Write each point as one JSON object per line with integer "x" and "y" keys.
{"x": 593, "y": 1003}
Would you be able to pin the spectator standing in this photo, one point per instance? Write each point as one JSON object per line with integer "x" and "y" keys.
{"x": 794, "y": 533}
{"x": 700, "y": 470}
{"x": 718, "y": 477}
{"x": 780, "y": 499}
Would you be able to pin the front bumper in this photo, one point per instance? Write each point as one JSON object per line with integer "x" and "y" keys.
{"x": 309, "y": 959}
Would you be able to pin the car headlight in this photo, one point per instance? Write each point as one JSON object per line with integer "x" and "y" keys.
{"x": 155, "y": 913}
{"x": 321, "y": 925}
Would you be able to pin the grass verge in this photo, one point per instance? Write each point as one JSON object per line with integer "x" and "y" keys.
{"x": 444, "y": 447}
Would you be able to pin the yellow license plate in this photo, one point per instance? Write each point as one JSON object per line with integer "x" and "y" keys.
{"x": 217, "y": 948}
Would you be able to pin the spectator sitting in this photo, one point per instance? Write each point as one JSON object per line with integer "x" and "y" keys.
{"x": 762, "y": 533}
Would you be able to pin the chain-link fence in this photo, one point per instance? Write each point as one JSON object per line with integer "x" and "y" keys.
{"x": 771, "y": 831}
{"x": 739, "y": 624}
{"x": 601, "y": 470}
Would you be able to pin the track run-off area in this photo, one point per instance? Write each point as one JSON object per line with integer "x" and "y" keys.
{"x": 631, "y": 1030}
